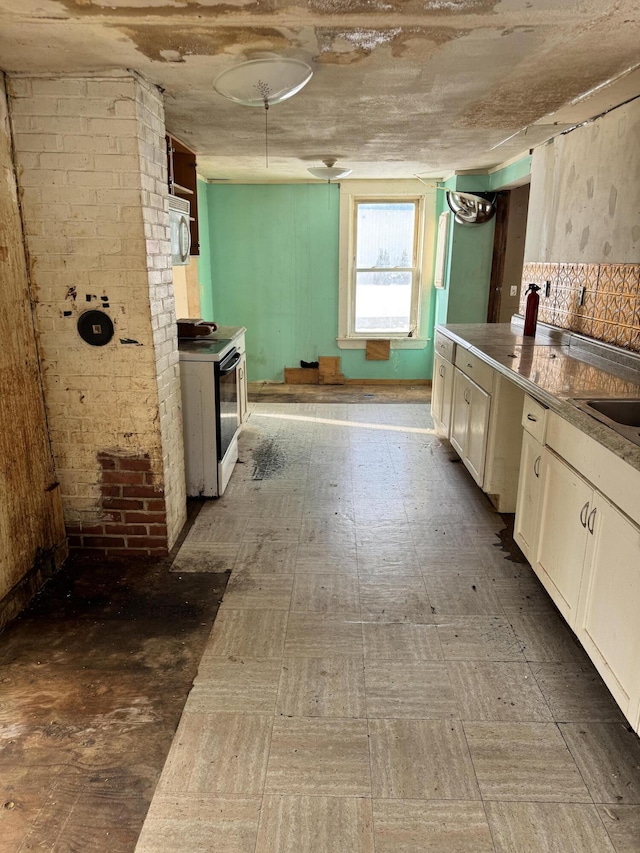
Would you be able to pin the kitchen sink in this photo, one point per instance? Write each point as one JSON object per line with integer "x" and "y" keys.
{"x": 626, "y": 412}
{"x": 622, "y": 415}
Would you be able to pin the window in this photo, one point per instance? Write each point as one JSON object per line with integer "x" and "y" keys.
{"x": 386, "y": 235}
{"x": 385, "y": 275}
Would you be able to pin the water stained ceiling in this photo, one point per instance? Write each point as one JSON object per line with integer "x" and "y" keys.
{"x": 400, "y": 87}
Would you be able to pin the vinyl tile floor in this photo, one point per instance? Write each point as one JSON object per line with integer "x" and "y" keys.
{"x": 383, "y": 674}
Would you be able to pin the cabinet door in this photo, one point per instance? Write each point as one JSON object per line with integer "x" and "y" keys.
{"x": 525, "y": 530}
{"x": 242, "y": 389}
{"x": 437, "y": 390}
{"x": 477, "y": 429}
{"x": 460, "y": 412}
{"x": 565, "y": 503}
{"x": 608, "y": 618}
{"x": 441, "y": 395}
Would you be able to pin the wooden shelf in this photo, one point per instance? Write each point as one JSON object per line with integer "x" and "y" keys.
{"x": 180, "y": 190}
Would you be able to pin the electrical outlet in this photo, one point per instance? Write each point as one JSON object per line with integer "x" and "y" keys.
{"x": 513, "y": 290}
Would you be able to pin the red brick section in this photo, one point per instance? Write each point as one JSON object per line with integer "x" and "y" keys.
{"x": 133, "y": 522}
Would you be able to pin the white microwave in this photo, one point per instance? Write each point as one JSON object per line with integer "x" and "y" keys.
{"x": 180, "y": 228}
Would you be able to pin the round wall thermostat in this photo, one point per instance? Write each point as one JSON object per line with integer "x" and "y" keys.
{"x": 95, "y": 327}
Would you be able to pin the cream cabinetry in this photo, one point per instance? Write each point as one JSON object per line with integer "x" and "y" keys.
{"x": 242, "y": 391}
{"x": 565, "y": 503}
{"x": 442, "y": 386}
{"x": 607, "y": 620}
{"x": 479, "y": 411}
{"x": 588, "y": 553}
{"x": 441, "y": 395}
{"x": 242, "y": 380}
{"x": 469, "y": 424}
{"x": 525, "y": 530}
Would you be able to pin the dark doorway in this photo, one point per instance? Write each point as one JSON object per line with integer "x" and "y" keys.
{"x": 508, "y": 254}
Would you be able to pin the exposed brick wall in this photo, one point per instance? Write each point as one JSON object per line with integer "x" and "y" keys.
{"x": 153, "y": 168}
{"x": 92, "y": 177}
{"x": 133, "y": 521}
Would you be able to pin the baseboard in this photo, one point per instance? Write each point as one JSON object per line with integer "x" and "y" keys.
{"x": 387, "y": 382}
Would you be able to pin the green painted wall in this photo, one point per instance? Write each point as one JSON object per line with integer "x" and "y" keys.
{"x": 273, "y": 255}
{"x": 204, "y": 260}
{"x": 513, "y": 174}
{"x": 465, "y": 297}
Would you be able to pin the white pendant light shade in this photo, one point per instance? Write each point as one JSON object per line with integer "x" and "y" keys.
{"x": 329, "y": 172}
{"x": 263, "y": 82}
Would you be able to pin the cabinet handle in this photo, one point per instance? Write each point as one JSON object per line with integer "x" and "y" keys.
{"x": 470, "y": 366}
{"x": 536, "y": 466}
{"x": 583, "y": 514}
{"x": 442, "y": 370}
{"x": 466, "y": 399}
{"x": 531, "y": 418}
{"x": 591, "y": 520}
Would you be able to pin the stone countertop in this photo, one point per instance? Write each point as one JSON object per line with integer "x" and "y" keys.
{"x": 554, "y": 369}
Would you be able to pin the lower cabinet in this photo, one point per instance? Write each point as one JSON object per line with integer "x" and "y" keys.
{"x": 588, "y": 559}
{"x": 441, "y": 395}
{"x": 565, "y": 504}
{"x": 469, "y": 424}
{"x": 242, "y": 389}
{"x": 608, "y": 620}
{"x": 525, "y": 530}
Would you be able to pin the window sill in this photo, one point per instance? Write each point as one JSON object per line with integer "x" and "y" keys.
{"x": 396, "y": 343}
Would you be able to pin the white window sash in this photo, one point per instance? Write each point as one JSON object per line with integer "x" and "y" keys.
{"x": 348, "y": 338}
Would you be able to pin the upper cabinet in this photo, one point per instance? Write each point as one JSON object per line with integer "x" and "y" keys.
{"x": 181, "y": 171}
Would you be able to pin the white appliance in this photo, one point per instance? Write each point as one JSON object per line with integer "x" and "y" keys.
{"x": 180, "y": 228}
{"x": 211, "y": 389}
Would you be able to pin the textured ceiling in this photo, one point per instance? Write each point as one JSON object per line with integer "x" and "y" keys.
{"x": 400, "y": 87}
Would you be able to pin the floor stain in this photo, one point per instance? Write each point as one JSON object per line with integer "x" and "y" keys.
{"x": 93, "y": 679}
{"x": 268, "y": 459}
{"x": 507, "y": 542}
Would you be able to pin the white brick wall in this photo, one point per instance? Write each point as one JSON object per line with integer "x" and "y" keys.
{"x": 91, "y": 161}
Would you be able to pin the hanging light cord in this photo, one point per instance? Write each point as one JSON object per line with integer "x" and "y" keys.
{"x": 265, "y": 90}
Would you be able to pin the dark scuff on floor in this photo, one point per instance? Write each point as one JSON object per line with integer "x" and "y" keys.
{"x": 93, "y": 679}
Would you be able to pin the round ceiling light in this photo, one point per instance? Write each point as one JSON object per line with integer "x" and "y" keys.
{"x": 329, "y": 172}
{"x": 263, "y": 82}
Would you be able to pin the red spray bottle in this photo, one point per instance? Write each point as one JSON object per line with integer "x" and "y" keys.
{"x": 531, "y": 311}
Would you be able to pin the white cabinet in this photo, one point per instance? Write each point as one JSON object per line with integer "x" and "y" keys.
{"x": 525, "y": 529}
{"x": 442, "y": 385}
{"x": 565, "y": 502}
{"x": 588, "y": 550}
{"x": 441, "y": 395}
{"x": 242, "y": 390}
{"x": 470, "y": 422}
{"x": 608, "y": 622}
{"x": 479, "y": 411}
{"x": 526, "y": 524}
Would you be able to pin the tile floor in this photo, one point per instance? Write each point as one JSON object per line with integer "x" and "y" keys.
{"x": 381, "y": 675}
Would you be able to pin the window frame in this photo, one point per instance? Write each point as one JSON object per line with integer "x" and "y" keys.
{"x": 367, "y": 193}
{"x": 414, "y": 311}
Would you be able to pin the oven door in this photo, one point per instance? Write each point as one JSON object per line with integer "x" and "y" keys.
{"x": 227, "y": 416}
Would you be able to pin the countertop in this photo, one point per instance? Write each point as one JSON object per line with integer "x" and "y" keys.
{"x": 556, "y": 367}
{"x": 204, "y": 348}
{"x": 222, "y": 333}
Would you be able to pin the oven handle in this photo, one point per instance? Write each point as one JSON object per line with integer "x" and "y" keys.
{"x": 229, "y": 364}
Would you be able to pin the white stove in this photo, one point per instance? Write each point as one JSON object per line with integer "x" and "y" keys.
{"x": 210, "y": 383}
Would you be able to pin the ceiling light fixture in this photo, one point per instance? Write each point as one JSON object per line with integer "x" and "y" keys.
{"x": 329, "y": 172}
{"x": 262, "y": 83}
